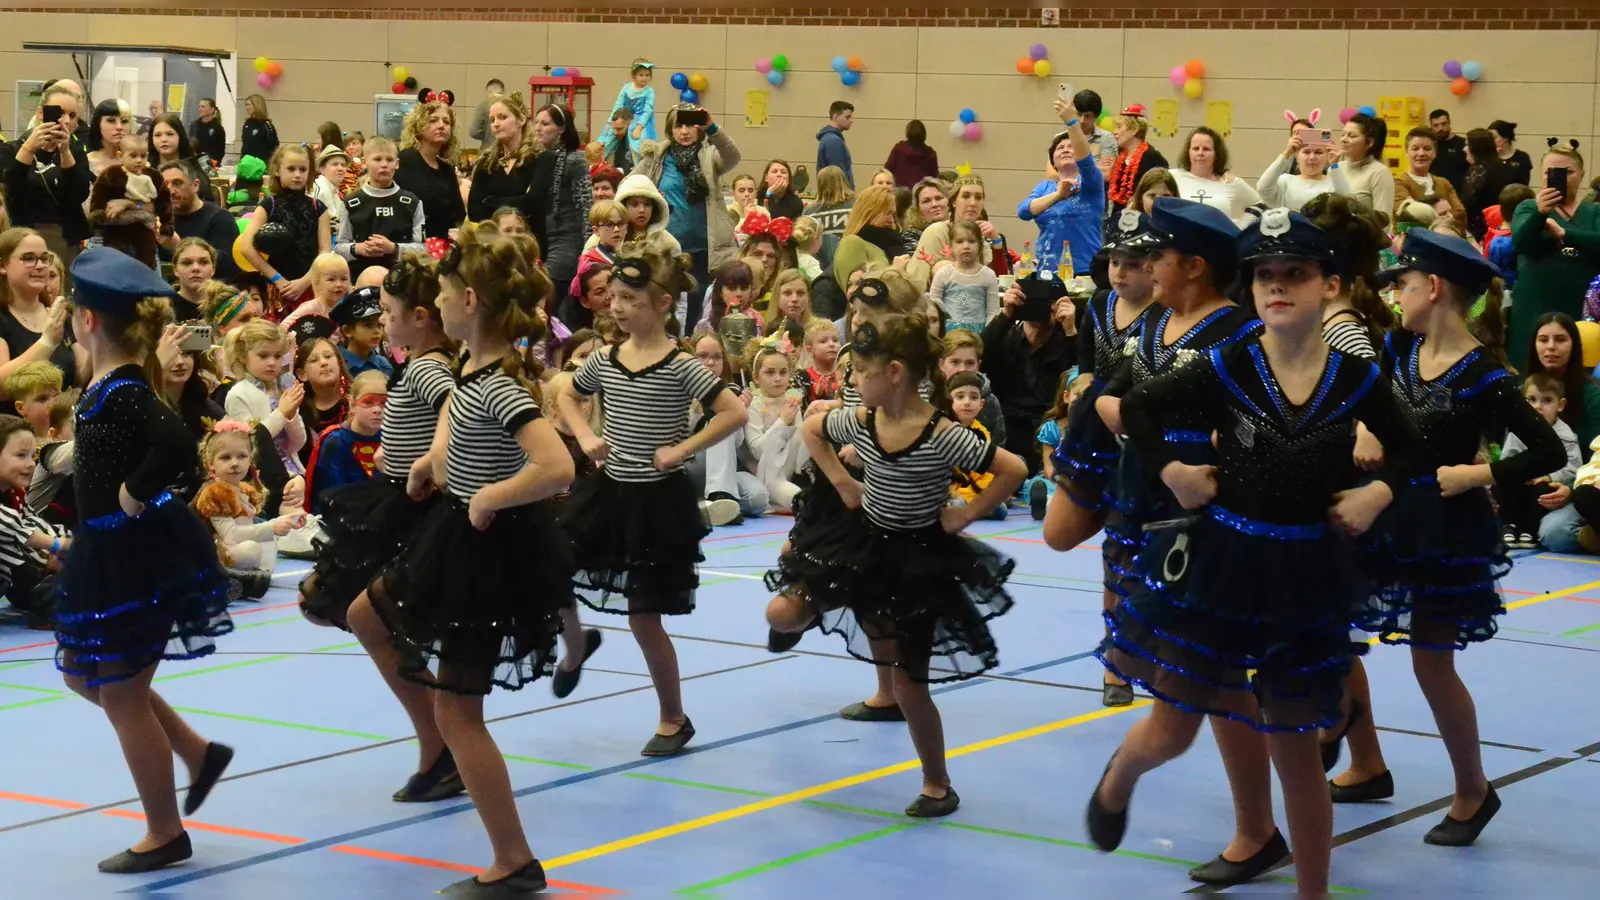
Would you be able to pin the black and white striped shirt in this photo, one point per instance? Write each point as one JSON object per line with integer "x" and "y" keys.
{"x": 411, "y": 415}
{"x": 646, "y": 410}
{"x": 487, "y": 410}
{"x": 1350, "y": 338}
{"x": 16, "y": 526}
{"x": 906, "y": 489}
{"x": 851, "y": 398}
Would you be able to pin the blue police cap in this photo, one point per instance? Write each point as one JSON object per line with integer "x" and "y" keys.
{"x": 1445, "y": 255}
{"x": 1285, "y": 234}
{"x": 1195, "y": 229}
{"x": 110, "y": 281}
{"x": 1132, "y": 234}
{"x": 361, "y": 303}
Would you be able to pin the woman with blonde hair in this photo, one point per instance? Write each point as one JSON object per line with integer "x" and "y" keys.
{"x": 967, "y": 204}
{"x": 427, "y": 166}
{"x": 831, "y": 209}
{"x": 1135, "y": 158}
{"x": 258, "y": 137}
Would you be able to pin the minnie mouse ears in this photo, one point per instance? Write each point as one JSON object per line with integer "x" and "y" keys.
{"x": 1552, "y": 142}
{"x": 428, "y": 95}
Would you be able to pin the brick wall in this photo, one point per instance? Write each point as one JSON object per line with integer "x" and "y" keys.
{"x": 1158, "y": 15}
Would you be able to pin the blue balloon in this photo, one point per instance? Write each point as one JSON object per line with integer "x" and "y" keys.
{"x": 1367, "y": 111}
{"x": 968, "y": 117}
{"x": 559, "y": 71}
{"x": 775, "y": 78}
{"x": 850, "y": 79}
{"x": 680, "y": 81}
{"x": 689, "y": 95}
{"x": 1471, "y": 71}
{"x": 840, "y": 64}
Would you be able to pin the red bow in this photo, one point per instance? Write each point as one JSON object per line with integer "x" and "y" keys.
{"x": 437, "y": 247}
{"x": 757, "y": 221}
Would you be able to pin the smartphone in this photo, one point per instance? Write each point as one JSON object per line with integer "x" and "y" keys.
{"x": 1065, "y": 91}
{"x": 50, "y": 113}
{"x": 692, "y": 117}
{"x": 1555, "y": 178}
{"x": 199, "y": 339}
{"x": 1039, "y": 296}
{"x": 1313, "y": 137}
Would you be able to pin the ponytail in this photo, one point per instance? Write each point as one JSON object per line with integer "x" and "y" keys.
{"x": 1489, "y": 325}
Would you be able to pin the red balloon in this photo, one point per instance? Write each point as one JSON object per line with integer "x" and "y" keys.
{"x": 1461, "y": 87}
{"x": 1025, "y": 65}
{"x": 398, "y": 87}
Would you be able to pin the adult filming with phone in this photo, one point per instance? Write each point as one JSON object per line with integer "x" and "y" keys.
{"x": 46, "y": 176}
{"x": 1025, "y": 350}
{"x": 1312, "y": 153}
{"x": 1069, "y": 207}
{"x": 1556, "y": 237}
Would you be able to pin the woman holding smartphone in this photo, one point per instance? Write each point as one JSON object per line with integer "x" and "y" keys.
{"x": 1557, "y": 240}
{"x": 1311, "y": 156}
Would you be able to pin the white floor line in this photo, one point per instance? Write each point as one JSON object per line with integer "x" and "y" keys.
{"x": 732, "y": 575}
{"x": 287, "y": 573}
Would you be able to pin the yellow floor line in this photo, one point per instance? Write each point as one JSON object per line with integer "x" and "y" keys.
{"x": 810, "y": 792}
{"x": 1553, "y": 595}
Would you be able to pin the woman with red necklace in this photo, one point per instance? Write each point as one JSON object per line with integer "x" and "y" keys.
{"x": 1134, "y": 157}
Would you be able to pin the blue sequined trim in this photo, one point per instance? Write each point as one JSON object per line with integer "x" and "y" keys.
{"x": 1324, "y": 385}
{"x": 1483, "y": 385}
{"x": 1177, "y": 436}
{"x": 1353, "y": 399}
{"x": 119, "y": 518}
{"x": 1256, "y": 528}
{"x": 1233, "y": 386}
{"x": 99, "y": 393}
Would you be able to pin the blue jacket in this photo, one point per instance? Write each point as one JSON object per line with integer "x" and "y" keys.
{"x": 832, "y": 151}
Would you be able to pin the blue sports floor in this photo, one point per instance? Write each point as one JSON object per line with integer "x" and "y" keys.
{"x": 780, "y": 797}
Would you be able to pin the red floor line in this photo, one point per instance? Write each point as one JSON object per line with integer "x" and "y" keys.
{"x": 740, "y": 537}
{"x": 232, "y": 612}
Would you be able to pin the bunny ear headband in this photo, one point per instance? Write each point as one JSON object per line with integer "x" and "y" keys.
{"x": 1289, "y": 115}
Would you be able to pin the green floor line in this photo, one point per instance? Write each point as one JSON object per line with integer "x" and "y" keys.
{"x": 699, "y": 785}
{"x": 244, "y": 663}
{"x": 1579, "y": 631}
{"x": 548, "y": 762}
{"x": 36, "y": 702}
{"x": 274, "y": 722}
{"x": 36, "y": 690}
{"x": 17, "y": 665}
{"x": 798, "y": 857}
{"x": 249, "y": 625}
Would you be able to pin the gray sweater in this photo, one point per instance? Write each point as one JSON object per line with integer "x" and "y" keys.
{"x": 1569, "y": 441}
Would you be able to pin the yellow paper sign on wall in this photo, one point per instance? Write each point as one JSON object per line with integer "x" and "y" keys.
{"x": 1219, "y": 117}
{"x": 1164, "y": 118}
{"x": 755, "y": 109}
{"x": 176, "y": 93}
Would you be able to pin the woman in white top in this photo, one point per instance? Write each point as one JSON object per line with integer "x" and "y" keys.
{"x": 1203, "y": 177}
{"x": 1280, "y": 188}
{"x": 1371, "y": 182}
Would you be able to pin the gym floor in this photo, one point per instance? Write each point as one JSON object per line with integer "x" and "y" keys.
{"x": 778, "y": 796}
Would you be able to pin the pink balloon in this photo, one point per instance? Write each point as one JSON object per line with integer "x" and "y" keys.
{"x": 974, "y": 131}
{"x": 1346, "y": 114}
{"x": 573, "y": 71}
{"x": 264, "y": 80}
{"x": 1179, "y": 76}
{"x": 763, "y": 65}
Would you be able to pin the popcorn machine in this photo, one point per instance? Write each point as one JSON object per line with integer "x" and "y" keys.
{"x": 570, "y": 91}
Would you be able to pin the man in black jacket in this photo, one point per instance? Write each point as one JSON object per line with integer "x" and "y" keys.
{"x": 193, "y": 217}
{"x": 46, "y": 175}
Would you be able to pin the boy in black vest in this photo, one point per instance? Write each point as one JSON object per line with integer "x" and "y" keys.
{"x": 382, "y": 219}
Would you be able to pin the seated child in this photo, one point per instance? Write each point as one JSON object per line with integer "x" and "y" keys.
{"x": 966, "y": 402}
{"x": 822, "y": 379}
{"x": 347, "y": 453}
{"x": 29, "y": 546}
{"x": 358, "y": 317}
{"x": 229, "y": 502}
{"x": 32, "y": 387}
{"x": 1521, "y": 506}
{"x": 50, "y": 493}
{"x": 775, "y": 408}
{"x": 731, "y": 492}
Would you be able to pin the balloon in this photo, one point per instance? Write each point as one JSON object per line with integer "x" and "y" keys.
{"x": 411, "y": 83}
{"x": 958, "y": 129}
{"x": 1193, "y": 88}
{"x": 689, "y": 95}
{"x": 974, "y": 131}
{"x": 1452, "y": 69}
{"x": 1194, "y": 68}
{"x": 559, "y": 72}
{"x": 780, "y": 62}
{"x": 572, "y": 72}
{"x": 264, "y": 80}
{"x": 275, "y": 68}
{"x": 968, "y": 116}
{"x": 850, "y": 78}
{"x": 238, "y": 251}
{"x": 1177, "y": 76}
{"x": 853, "y": 64}
{"x": 399, "y": 87}
{"x": 1106, "y": 121}
{"x": 1471, "y": 71}
{"x": 698, "y": 80}
{"x": 764, "y": 65}
{"x": 401, "y": 73}
{"x": 840, "y": 64}
{"x": 680, "y": 81}
{"x": 1461, "y": 87}
{"x": 1025, "y": 65}
{"x": 243, "y": 222}
{"x": 1346, "y": 114}
{"x": 1042, "y": 68}
{"x": 774, "y": 78}
{"x": 261, "y": 63}
{"x": 1367, "y": 110}
{"x": 1039, "y": 51}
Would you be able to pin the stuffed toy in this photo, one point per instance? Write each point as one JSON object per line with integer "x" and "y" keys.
{"x": 131, "y": 213}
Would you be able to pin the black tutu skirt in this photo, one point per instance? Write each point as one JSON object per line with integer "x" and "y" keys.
{"x": 1228, "y": 596}
{"x": 1436, "y": 562}
{"x": 818, "y": 500}
{"x": 636, "y": 543}
{"x": 364, "y": 527}
{"x": 485, "y": 604}
{"x": 138, "y": 590}
{"x": 1136, "y": 497}
{"x": 931, "y": 592}
{"x": 1087, "y": 455}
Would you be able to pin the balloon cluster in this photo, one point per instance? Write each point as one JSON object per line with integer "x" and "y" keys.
{"x": 966, "y": 127}
{"x": 404, "y": 81}
{"x": 1036, "y": 63}
{"x": 849, "y": 69}
{"x": 1462, "y": 75}
{"x": 690, "y": 86}
{"x": 267, "y": 71}
{"x": 565, "y": 72}
{"x": 1189, "y": 78}
{"x": 1350, "y": 112}
{"x": 776, "y": 69}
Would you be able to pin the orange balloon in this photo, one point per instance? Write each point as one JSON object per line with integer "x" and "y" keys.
{"x": 1461, "y": 87}
{"x": 274, "y": 68}
{"x": 853, "y": 64}
{"x": 1194, "y": 68}
{"x": 1025, "y": 65}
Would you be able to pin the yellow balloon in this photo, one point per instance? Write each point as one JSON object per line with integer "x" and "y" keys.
{"x": 401, "y": 73}
{"x": 1193, "y": 88}
{"x": 1041, "y": 68}
{"x": 261, "y": 63}
{"x": 239, "y": 259}
{"x": 698, "y": 81}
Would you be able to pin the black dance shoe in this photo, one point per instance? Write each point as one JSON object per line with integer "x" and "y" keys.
{"x": 1380, "y": 787}
{"x": 253, "y": 583}
{"x": 1330, "y": 749}
{"x": 129, "y": 862}
{"x": 564, "y": 682}
{"x": 441, "y": 782}
{"x": 1226, "y": 872}
{"x": 783, "y": 641}
{"x": 925, "y": 807}
{"x": 1106, "y": 828}
{"x": 669, "y": 744}
{"x": 527, "y": 880}
{"x": 1454, "y": 832}
{"x": 216, "y": 762}
{"x": 1115, "y": 695}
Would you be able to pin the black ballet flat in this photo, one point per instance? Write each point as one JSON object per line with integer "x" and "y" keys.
{"x": 1225, "y": 872}
{"x": 1106, "y": 828}
{"x": 1380, "y": 787}
{"x": 925, "y": 807}
{"x": 1330, "y": 749}
{"x": 1454, "y": 832}
{"x": 441, "y": 782}
{"x": 861, "y": 712}
{"x": 1115, "y": 695}
{"x": 527, "y": 880}
{"x": 783, "y": 641}
{"x": 564, "y": 682}
{"x": 216, "y": 762}
{"x": 129, "y": 862}
{"x": 669, "y": 744}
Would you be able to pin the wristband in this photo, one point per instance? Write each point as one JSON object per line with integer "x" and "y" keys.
{"x": 55, "y": 547}
{"x": 276, "y": 277}
{"x": 711, "y": 129}
{"x": 1074, "y": 122}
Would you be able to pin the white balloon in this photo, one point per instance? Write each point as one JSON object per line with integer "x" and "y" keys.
{"x": 958, "y": 129}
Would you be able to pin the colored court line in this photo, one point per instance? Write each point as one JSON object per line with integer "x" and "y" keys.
{"x": 1553, "y": 595}
{"x": 796, "y": 858}
{"x": 231, "y": 613}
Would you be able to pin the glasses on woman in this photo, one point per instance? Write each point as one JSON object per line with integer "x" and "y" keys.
{"x": 33, "y": 259}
